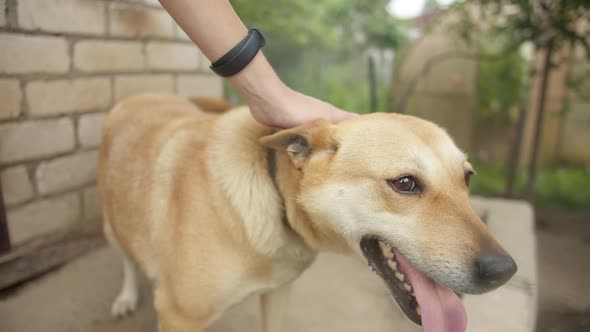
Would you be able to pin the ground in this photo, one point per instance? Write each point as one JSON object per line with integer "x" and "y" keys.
{"x": 337, "y": 294}
{"x": 564, "y": 271}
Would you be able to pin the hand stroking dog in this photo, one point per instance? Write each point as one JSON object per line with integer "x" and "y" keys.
{"x": 215, "y": 207}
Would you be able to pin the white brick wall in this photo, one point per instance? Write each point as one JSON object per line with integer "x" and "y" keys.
{"x": 67, "y": 96}
{"x": 90, "y": 129}
{"x": 43, "y": 216}
{"x": 24, "y": 54}
{"x": 180, "y": 34}
{"x": 29, "y": 140}
{"x": 91, "y": 203}
{"x": 172, "y": 56}
{"x": 63, "y": 63}
{"x": 16, "y": 185}
{"x": 134, "y": 84}
{"x": 73, "y": 16}
{"x": 105, "y": 56}
{"x": 66, "y": 172}
{"x": 199, "y": 85}
{"x": 153, "y": 2}
{"x": 11, "y": 96}
{"x": 132, "y": 21}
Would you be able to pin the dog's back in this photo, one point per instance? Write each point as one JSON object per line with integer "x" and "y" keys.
{"x": 143, "y": 138}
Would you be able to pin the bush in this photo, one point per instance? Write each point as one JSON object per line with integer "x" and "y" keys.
{"x": 562, "y": 187}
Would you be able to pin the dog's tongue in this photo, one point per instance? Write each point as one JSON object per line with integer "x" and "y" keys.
{"x": 441, "y": 308}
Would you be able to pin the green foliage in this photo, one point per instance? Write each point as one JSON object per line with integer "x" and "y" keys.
{"x": 537, "y": 21}
{"x": 340, "y": 80}
{"x": 563, "y": 187}
{"x": 501, "y": 85}
{"x": 319, "y": 47}
{"x": 330, "y": 24}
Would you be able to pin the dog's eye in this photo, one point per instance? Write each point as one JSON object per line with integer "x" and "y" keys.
{"x": 468, "y": 175}
{"x": 405, "y": 185}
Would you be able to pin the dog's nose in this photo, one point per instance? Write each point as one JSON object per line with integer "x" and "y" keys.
{"x": 494, "y": 269}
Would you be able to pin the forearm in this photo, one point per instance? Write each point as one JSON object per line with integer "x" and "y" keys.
{"x": 215, "y": 28}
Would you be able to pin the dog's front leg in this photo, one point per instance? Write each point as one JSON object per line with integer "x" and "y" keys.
{"x": 274, "y": 306}
{"x": 171, "y": 318}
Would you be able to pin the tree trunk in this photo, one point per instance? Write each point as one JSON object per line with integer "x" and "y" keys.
{"x": 372, "y": 86}
{"x": 515, "y": 151}
{"x": 530, "y": 192}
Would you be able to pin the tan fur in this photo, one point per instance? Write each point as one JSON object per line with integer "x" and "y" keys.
{"x": 187, "y": 194}
{"x": 210, "y": 104}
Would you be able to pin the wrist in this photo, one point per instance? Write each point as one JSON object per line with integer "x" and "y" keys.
{"x": 258, "y": 84}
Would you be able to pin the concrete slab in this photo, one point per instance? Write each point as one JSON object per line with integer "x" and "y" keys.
{"x": 513, "y": 224}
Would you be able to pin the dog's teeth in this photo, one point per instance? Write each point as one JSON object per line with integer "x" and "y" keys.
{"x": 388, "y": 254}
{"x": 400, "y": 276}
{"x": 392, "y": 264}
{"x": 407, "y": 287}
{"x": 418, "y": 311}
{"x": 384, "y": 247}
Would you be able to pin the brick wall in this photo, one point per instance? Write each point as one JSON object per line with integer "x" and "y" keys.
{"x": 63, "y": 63}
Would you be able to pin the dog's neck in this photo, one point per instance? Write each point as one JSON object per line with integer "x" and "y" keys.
{"x": 286, "y": 177}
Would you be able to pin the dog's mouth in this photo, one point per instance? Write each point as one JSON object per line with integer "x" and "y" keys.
{"x": 424, "y": 301}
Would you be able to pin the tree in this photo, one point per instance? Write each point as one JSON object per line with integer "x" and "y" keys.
{"x": 548, "y": 24}
{"x": 316, "y": 46}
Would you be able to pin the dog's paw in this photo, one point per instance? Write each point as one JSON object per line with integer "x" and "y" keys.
{"x": 124, "y": 305}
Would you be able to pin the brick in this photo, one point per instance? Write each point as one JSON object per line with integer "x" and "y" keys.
{"x": 69, "y": 16}
{"x": 67, "y": 96}
{"x": 133, "y": 84}
{"x": 2, "y": 12}
{"x": 134, "y": 21}
{"x": 90, "y": 129}
{"x": 66, "y": 172}
{"x": 30, "y": 140}
{"x": 16, "y": 185}
{"x": 179, "y": 33}
{"x": 153, "y": 3}
{"x": 172, "y": 56}
{"x": 11, "y": 96}
{"x": 91, "y": 204}
{"x": 199, "y": 85}
{"x": 25, "y": 54}
{"x": 42, "y": 217}
{"x": 104, "y": 56}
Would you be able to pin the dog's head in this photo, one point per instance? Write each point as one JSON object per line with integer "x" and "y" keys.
{"x": 394, "y": 188}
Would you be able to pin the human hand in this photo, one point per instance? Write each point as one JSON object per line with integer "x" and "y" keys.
{"x": 290, "y": 108}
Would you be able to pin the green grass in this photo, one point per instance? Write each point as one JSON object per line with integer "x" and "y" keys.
{"x": 562, "y": 187}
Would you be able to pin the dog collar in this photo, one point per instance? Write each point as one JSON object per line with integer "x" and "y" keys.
{"x": 271, "y": 166}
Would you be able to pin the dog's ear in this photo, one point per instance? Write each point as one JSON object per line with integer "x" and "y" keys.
{"x": 300, "y": 142}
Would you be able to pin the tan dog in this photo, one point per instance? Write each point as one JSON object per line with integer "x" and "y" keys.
{"x": 215, "y": 207}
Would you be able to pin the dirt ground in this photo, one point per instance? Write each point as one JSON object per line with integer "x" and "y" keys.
{"x": 563, "y": 242}
{"x": 77, "y": 297}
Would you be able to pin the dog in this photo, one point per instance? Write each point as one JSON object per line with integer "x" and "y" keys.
{"x": 215, "y": 207}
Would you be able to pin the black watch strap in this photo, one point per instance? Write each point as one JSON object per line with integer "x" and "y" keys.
{"x": 240, "y": 55}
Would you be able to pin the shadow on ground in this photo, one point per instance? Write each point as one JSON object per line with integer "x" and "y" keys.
{"x": 564, "y": 271}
